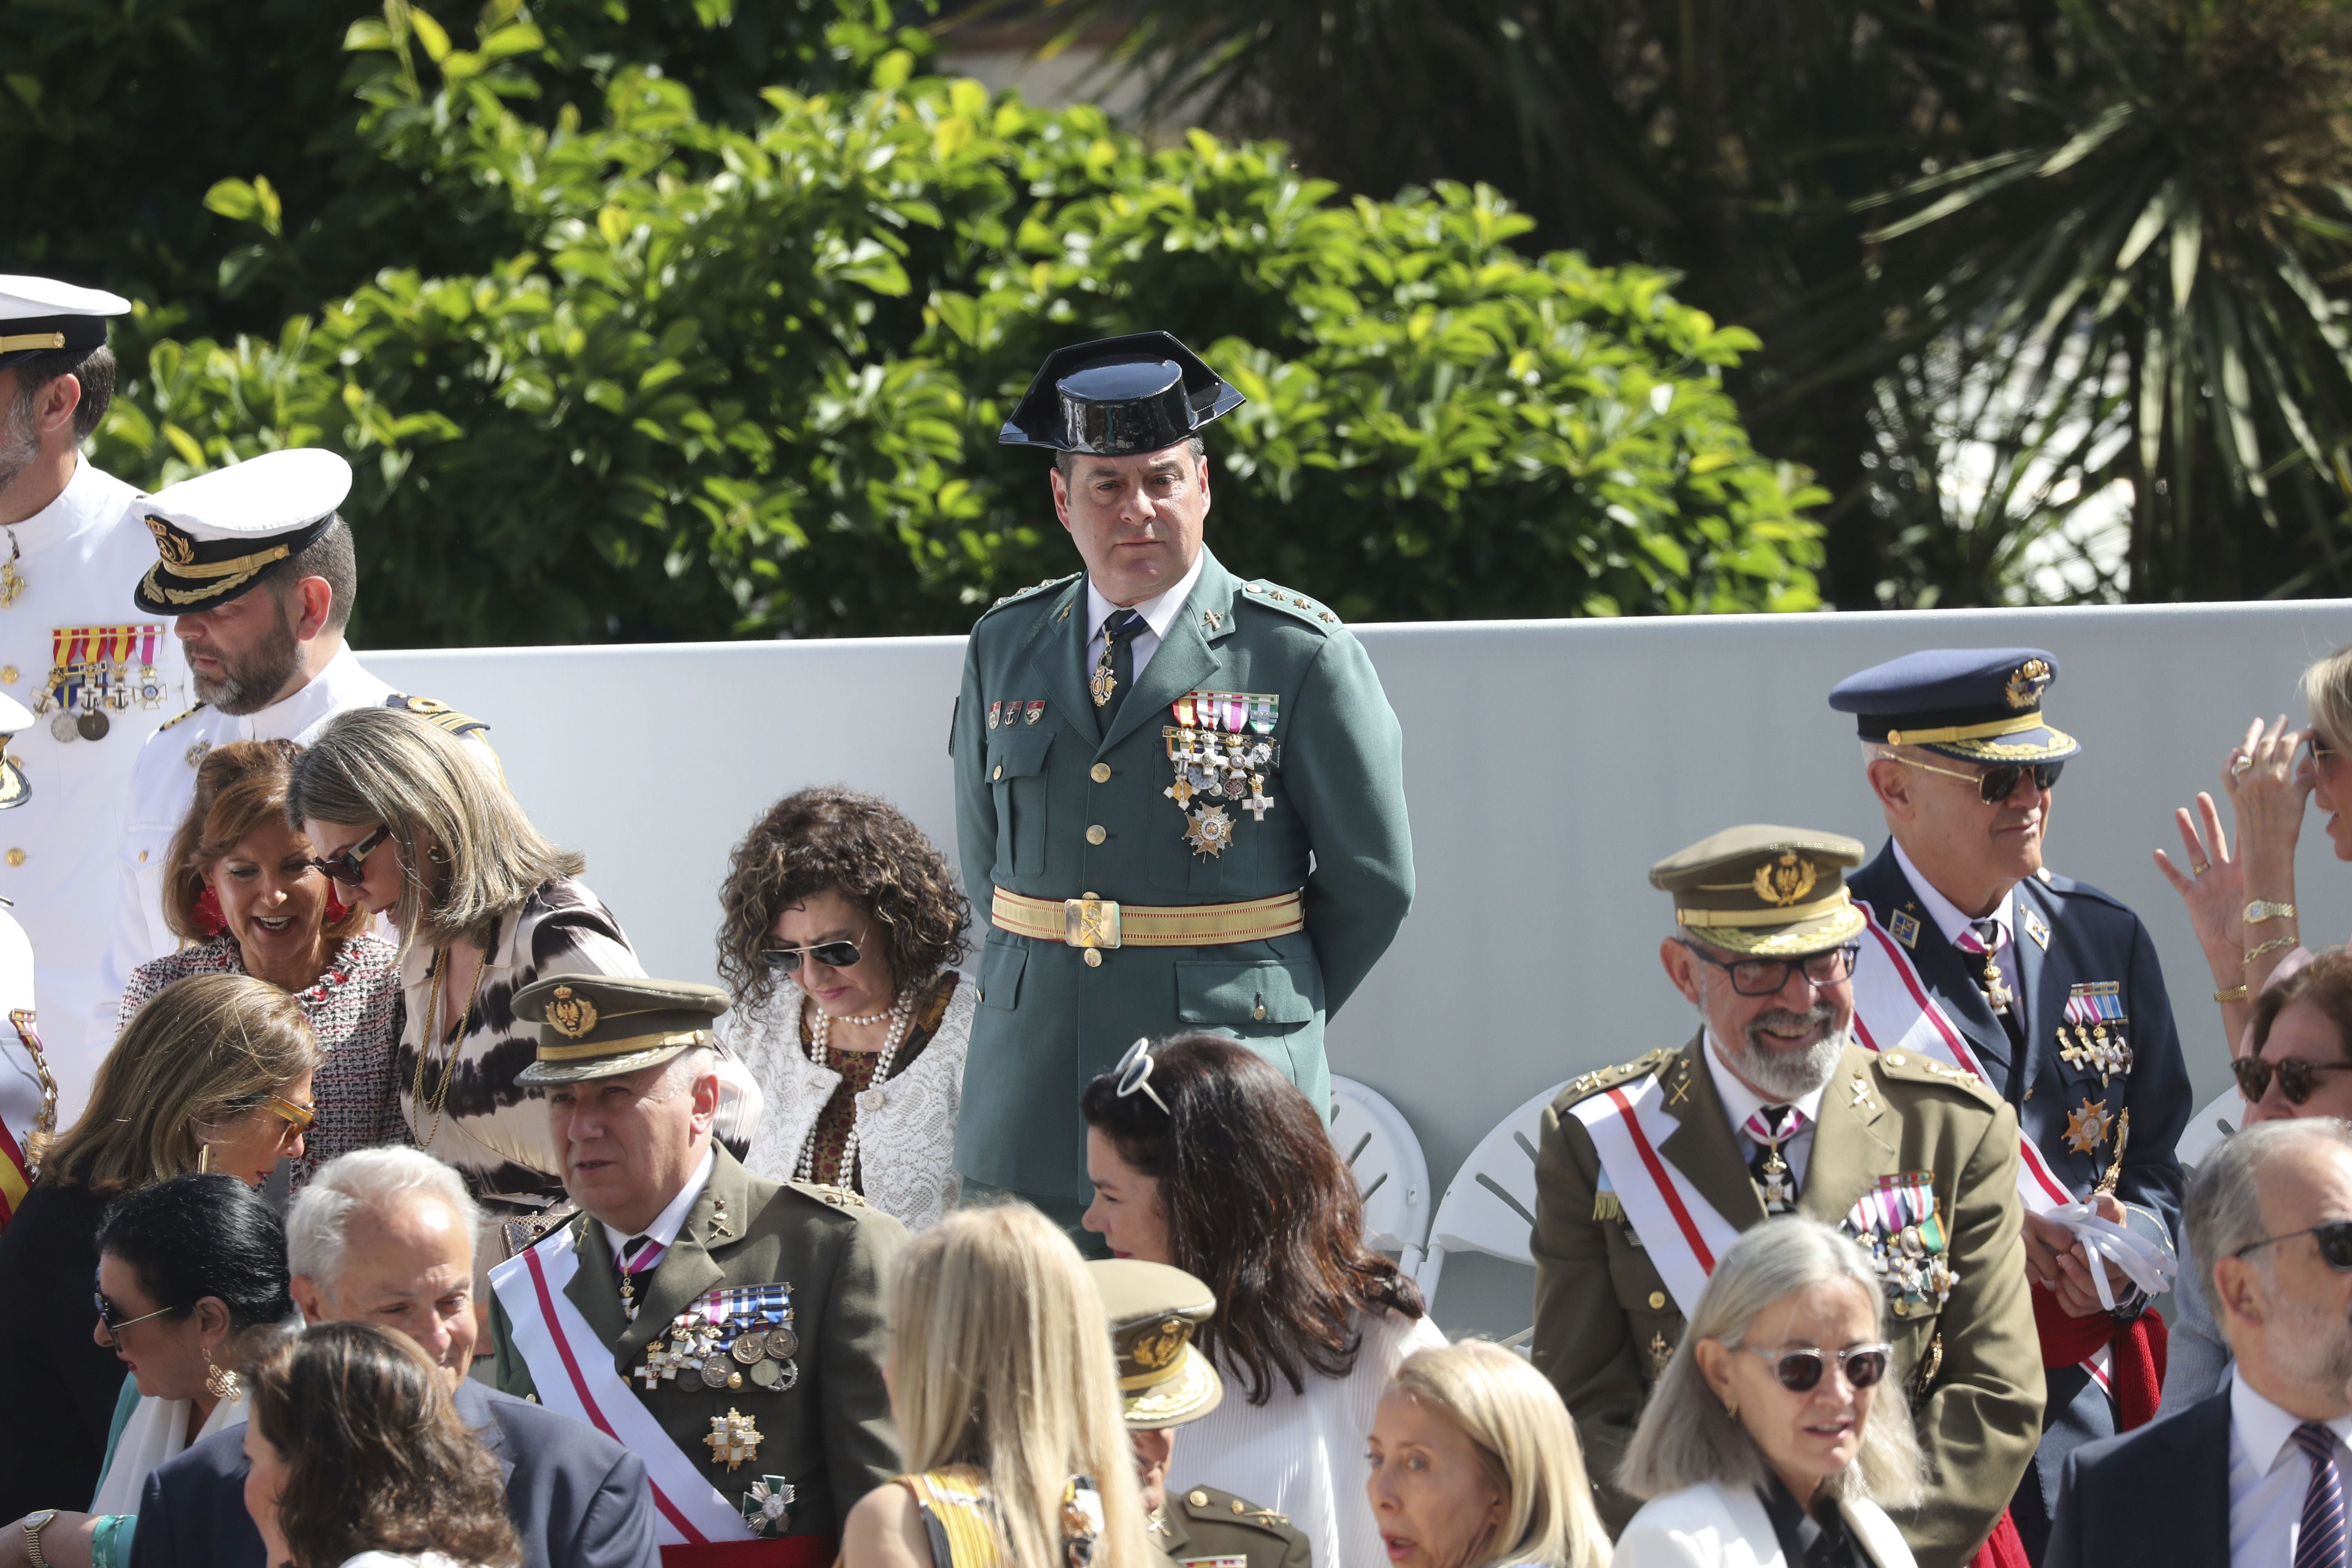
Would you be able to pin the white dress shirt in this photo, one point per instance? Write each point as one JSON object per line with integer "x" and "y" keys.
{"x": 1740, "y": 1102}
{"x": 1159, "y": 613}
{"x": 2269, "y": 1474}
{"x": 1952, "y": 920}
{"x": 666, "y": 1224}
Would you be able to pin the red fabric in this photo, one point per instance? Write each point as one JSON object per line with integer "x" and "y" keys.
{"x": 797, "y": 1552}
{"x": 2005, "y": 1550}
{"x": 209, "y": 918}
{"x": 336, "y": 908}
{"x": 2139, "y": 1353}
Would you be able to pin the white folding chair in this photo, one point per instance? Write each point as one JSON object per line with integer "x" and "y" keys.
{"x": 1378, "y": 1144}
{"x": 1490, "y": 1205}
{"x": 2208, "y": 1127}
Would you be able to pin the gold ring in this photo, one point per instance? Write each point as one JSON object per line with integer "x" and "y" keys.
{"x": 2201, "y": 870}
{"x": 2243, "y": 765}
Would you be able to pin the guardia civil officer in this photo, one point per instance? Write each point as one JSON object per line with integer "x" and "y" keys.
{"x": 2053, "y": 985}
{"x": 28, "y": 1093}
{"x": 1147, "y": 755}
{"x": 98, "y": 678}
{"x": 1165, "y": 1382}
{"x": 725, "y": 1328}
{"x": 254, "y": 565}
{"x": 1648, "y": 1172}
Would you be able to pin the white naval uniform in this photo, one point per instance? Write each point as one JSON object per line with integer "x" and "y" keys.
{"x": 80, "y": 557}
{"x": 20, "y": 1081}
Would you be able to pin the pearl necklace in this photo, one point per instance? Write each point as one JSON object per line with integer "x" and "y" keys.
{"x": 901, "y": 1015}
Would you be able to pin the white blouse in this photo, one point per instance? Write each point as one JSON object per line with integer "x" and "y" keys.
{"x": 157, "y": 1431}
{"x": 1303, "y": 1454}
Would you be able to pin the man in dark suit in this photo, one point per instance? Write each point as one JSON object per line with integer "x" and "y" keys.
{"x": 2255, "y": 1473}
{"x": 386, "y": 1235}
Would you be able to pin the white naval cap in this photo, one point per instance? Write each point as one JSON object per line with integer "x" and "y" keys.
{"x": 38, "y": 315}
{"x": 13, "y": 717}
{"x": 216, "y": 534}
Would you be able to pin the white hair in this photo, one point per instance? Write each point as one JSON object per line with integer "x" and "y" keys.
{"x": 364, "y": 1180}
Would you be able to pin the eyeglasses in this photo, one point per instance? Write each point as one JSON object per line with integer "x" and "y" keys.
{"x": 1799, "y": 1371}
{"x": 1995, "y": 785}
{"x": 832, "y": 955}
{"x": 1134, "y": 1072}
{"x": 2296, "y": 1077}
{"x": 297, "y": 1116}
{"x": 113, "y": 1327}
{"x": 343, "y": 866}
{"x": 1766, "y": 976}
{"x": 2335, "y": 1239}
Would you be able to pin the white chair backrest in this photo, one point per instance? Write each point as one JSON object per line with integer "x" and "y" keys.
{"x": 1490, "y": 1205}
{"x": 2209, "y": 1126}
{"x": 1378, "y": 1145}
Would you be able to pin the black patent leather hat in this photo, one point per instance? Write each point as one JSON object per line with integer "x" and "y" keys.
{"x": 1117, "y": 396}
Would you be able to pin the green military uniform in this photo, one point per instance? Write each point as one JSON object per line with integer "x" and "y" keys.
{"x": 1966, "y": 1354}
{"x": 820, "y": 1411}
{"x": 1209, "y": 1528}
{"x": 1283, "y": 872}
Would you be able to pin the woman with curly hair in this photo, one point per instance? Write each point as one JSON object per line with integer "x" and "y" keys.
{"x": 842, "y": 927}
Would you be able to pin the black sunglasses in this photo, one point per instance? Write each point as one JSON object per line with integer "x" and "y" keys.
{"x": 1799, "y": 1371}
{"x": 2296, "y": 1077}
{"x": 113, "y": 1325}
{"x": 1997, "y": 784}
{"x": 1765, "y": 976}
{"x": 832, "y": 955}
{"x": 343, "y": 866}
{"x": 2335, "y": 1239}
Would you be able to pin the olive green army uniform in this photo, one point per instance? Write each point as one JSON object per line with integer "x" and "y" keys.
{"x": 1205, "y": 1527}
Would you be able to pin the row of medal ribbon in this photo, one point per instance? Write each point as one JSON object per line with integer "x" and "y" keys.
{"x": 727, "y": 1338}
{"x": 1896, "y": 1220}
{"x": 2095, "y": 1013}
{"x": 1220, "y": 748}
{"x": 90, "y": 672}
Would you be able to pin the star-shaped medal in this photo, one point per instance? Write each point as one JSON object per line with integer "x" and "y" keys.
{"x": 1211, "y": 832}
{"x": 768, "y": 1505}
{"x": 2086, "y": 1129}
{"x": 733, "y": 1439}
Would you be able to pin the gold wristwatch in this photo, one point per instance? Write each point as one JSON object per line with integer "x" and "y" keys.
{"x": 33, "y": 1524}
{"x": 2262, "y": 909}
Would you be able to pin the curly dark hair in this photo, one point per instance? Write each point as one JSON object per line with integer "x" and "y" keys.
{"x": 377, "y": 1458}
{"x": 837, "y": 839}
{"x": 1260, "y": 1208}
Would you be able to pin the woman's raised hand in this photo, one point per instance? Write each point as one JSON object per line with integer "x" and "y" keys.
{"x": 2213, "y": 884}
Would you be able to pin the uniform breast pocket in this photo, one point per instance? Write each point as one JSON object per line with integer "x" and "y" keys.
{"x": 1016, "y": 772}
{"x": 1002, "y": 960}
{"x": 1267, "y": 995}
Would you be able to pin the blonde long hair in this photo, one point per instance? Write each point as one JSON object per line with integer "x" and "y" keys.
{"x": 1000, "y": 1359}
{"x": 1526, "y": 1447}
{"x": 2328, "y": 689}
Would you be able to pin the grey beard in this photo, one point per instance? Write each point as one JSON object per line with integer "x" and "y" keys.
{"x": 1776, "y": 1070}
{"x": 20, "y": 444}
{"x": 249, "y": 686}
{"x": 2312, "y": 1347}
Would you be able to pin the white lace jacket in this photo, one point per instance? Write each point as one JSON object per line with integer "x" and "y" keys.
{"x": 906, "y": 1127}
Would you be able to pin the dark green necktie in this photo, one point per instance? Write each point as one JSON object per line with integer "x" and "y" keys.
{"x": 1120, "y": 628}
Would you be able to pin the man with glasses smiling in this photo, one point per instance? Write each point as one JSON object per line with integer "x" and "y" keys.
{"x": 2046, "y": 987}
{"x": 1649, "y": 1172}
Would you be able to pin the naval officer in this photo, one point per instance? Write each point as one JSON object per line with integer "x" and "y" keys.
{"x": 254, "y": 565}
{"x": 2055, "y": 988}
{"x": 1648, "y": 1172}
{"x": 1180, "y": 794}
{"x": 29, "y": 1092}
{"x": 97, "y": 677}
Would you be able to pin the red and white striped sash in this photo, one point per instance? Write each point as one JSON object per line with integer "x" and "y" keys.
{"x": 1683, "y": 1233}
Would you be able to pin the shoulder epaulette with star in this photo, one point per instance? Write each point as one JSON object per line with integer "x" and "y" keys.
{"x": 177, "y": 717}
{"x": 438, "y": 714}
{"x": 1585, "y": 1085}
{"x": 1207, "y": 1503}
{"x": 1911, "y": 1067}
{"x": 1030, "y": 591}
{"x": 1258, "y": 591}
{"x": 830, "y": 1195}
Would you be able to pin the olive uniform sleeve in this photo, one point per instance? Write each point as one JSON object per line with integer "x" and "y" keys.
{"x": 508, "y": 1373}
{"x": 860, "y": 1444}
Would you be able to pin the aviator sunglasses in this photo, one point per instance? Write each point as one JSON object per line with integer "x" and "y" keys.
{"x": 1799, "y": 1371}
{"x": 832, "y": 955}
{"x": 2335, "y": 1239}
{"x": 2296, "y": 1077}
{"x": 1995, "y": 785}
{"x": 343, "y": 866}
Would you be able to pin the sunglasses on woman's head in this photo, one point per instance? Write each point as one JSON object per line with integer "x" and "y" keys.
{"x": 2296, "y": 1077}
{"x": 1799, "y": 1371}
{"x": 832, "y": 955}
{"x": 1134, "y": 1071}
{"x": 2334, "y": 1239}
{"x": 343, "y": 866}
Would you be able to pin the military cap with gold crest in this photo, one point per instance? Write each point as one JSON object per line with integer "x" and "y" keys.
{"x": 1154, "y": 1310}
{"x": 1775, "y": 892}
{"x": 601, "y": 1026}
{"x": 215, "y": 534}
{"x": 1972, "y": 704}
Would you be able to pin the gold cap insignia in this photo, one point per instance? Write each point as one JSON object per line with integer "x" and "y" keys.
{"x": 1787, "y": 879}
{"x": 571, "y": 1015}
{"x": 1150, "y": 1352}
{"x": 2025, "y": 688}
{"x": 168, "y": 544}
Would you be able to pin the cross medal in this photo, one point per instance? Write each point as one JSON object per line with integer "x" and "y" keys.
{"x": 1778, "y": 1197}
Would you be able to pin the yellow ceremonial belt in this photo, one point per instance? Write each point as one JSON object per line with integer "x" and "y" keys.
{"x": 1092, "y": 922}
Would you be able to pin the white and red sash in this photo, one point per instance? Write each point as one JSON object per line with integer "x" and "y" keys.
{"x": 1683, "y": 1233}
{"x": 573, "y": 1372}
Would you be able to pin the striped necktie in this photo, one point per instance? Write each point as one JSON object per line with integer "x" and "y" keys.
{"x": 1986, "y": 938}
{"x": 2319, "y": 1537}
{"x": 640, "y": 1253}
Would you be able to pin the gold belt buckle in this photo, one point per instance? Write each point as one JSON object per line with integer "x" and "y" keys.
{"x": 1089, "y": 922}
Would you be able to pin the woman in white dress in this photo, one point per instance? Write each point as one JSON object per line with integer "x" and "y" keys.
{"x": 1765, "y": 1443}
{"x": 360, "y": 1459}
{"x": 842, "y": 928}
{"x": 1205, "y": 1156}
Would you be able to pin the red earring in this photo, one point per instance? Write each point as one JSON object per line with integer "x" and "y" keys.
{"x": 209, "y": 918}
{"x": 336, "y": 908}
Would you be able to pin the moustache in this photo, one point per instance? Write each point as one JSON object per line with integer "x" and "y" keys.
{"x": 1785, "y": 1022}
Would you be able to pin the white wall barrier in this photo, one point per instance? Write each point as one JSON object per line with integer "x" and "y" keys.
{"x": 1547, "y": 764}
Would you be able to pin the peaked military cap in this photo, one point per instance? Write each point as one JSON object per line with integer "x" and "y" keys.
{"x": 14, "y": 716}
{"x": 1116, "y": 396}
{"x": 1775, "y": 892}
{"x": 1972, "y": 704}
{"x": 601, "y": 1026}
{"x": 41, "y": 315}
{"x": 1154, "y": 1309}
{"x": 216, "y": 534}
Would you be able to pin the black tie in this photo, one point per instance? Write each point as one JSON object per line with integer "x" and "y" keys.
{"x": 1120, "y": 628}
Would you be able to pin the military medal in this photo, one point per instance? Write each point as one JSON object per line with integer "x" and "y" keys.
{"x": 2095, "y": 1012}
{"x": 1102, "y": 683}
{"x": 2086, "y": 1128}
{"x": 734, "y": 1437}
{"x": 768, "y": 1505}
{"x": 994, "y": 708}
{"x": 1898, "y": 1222}
{"x": 12, "y": 581}
{"x": 1211, "y": 830}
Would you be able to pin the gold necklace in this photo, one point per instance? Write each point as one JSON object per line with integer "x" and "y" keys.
{"x": 432, "y": 1037}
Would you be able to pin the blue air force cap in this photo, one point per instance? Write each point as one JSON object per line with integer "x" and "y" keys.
{"x": 1117, "y": 396}
{"x": 1973, "y": 704}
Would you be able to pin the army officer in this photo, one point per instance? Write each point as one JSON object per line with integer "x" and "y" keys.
{"x": 1179, "y": 794}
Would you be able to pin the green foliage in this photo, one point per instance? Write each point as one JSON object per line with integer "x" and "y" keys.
{"x": 737, "y": 380}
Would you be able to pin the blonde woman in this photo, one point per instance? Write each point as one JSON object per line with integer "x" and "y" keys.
{"x": 1474, "y": 1464}
{"x": 1006, "y": 1401}
{"x": 1765, "y": 1443}
{"x": 212, "y": 1075}
{"x": 409, "y": 822}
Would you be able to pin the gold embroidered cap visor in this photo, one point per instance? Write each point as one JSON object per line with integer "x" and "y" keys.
{"x": 217, "y": 533}
{"x": 1973, "y": 705}
{"x": 1764, "y": 891}
{"x": 1154, "y": 1309}
{"x": 605, "y": 1025}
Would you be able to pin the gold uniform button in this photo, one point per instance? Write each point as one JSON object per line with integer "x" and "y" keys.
{"x": 998, "y": 774}
{"x": 143, "y": 856}
{"x": 1197, "y": 1498}
{"x": 1101, "y": 772}
{"x": 15, "y": 857}
{"x": 1895, "y": 1060}
{"x": 1096, "y": 834}
{"x": 1258, "y": 1011}
{"x": 8, "y": 674}
{"x": 1657, "y": 1301}
{"x": 1094, "y": 958}
{"x": 1240, "y": 1507}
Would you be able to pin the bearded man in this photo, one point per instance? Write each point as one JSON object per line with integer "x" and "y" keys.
{"x": 1648, "y": 1170}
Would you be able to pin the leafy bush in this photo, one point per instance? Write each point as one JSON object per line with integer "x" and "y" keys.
{"x": 745, "y": 380}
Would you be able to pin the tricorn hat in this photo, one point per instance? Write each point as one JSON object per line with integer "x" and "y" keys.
{"x": 1116, "y": 396}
